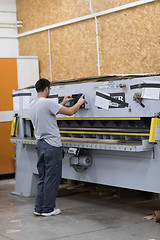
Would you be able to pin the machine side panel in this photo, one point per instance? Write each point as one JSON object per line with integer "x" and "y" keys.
{"x": 128, "y": 170}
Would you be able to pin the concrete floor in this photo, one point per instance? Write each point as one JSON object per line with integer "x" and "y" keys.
{"x": 89, "y": 215}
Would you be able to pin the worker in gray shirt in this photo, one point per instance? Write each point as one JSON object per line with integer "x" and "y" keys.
{"x": 43, "y": 112}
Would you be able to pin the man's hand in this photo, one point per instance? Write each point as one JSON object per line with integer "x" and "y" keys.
{"x": 69, "y": 111}
{"x": 66, "y": 99}
{"x": 82, "y": 100}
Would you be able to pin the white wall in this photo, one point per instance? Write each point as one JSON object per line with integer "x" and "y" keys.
{"x": 27, "y": 67}
{"x": 8, "y": 44}
{"x": 28, "y": 71}
{"x": 8, "y": 40}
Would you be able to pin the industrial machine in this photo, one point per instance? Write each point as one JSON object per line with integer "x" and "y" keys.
{"x": 112, "y": 140}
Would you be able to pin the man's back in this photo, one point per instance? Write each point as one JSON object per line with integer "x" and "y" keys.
{"x": 43, "y": 116}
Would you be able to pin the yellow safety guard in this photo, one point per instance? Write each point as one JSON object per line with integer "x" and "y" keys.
{"x": 14, "y": 127}
{"x": 154, "y": 123}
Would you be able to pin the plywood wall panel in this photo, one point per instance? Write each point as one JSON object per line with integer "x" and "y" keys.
{"x": 37, "y": 45}
{"x": 36, "y": 13}
{"x": 74, "y": 52}
{"x": 98, "y": 6}
{"x": 129, "y": 41}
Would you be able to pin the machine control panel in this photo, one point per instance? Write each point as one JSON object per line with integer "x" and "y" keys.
{"x": 75, "y": 99}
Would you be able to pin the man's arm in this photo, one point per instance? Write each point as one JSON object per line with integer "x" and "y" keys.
{"x": 71, "y": 110}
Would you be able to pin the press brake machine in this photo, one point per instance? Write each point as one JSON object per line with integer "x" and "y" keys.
{"x": 112, "y": 140}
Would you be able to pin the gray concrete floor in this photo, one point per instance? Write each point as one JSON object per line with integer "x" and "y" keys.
{"x": 87, "y": 214}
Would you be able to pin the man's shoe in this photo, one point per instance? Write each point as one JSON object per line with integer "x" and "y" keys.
{"x": 37, "y": 213}
{"x": 55, "y": 212}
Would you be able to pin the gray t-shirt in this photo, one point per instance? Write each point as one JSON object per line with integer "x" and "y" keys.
{"x": 43, "y": 112}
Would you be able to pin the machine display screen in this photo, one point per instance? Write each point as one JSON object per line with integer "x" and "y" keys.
{"x": 75, "y": 99}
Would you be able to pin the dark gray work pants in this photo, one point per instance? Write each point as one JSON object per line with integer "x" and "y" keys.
{"x": 50, "y": 171}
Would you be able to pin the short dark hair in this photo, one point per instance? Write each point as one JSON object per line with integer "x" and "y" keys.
{"x": 41, "y": 84}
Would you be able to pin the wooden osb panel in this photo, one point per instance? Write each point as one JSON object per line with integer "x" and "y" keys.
{"x": 130, "y": 40}
{"x": 74, "y": 52}
{"x": 98, "y": 6}
{"x": 37, "y": 45}
{"x": 36, "y": 13}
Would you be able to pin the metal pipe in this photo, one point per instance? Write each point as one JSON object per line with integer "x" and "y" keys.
{"x": 12, "y": 36}
{"x": 7, "y": 11}
{"x": 9, "y": 26}
{"x": 11, "y": 23}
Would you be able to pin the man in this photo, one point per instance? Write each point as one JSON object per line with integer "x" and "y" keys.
{"x": 43, "y": 112}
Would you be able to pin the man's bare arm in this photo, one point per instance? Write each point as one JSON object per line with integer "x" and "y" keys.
{"x": 72, "y": 110}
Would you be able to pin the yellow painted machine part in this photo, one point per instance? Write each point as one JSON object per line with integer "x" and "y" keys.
{"x": 14, "y": 127}
{"x": 107, "y": 133}
{"x": 97, "y": 118}
{"x": 154, "y": 123}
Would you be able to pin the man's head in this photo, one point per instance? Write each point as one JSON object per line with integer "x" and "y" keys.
{"x": 41, "y": 85}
